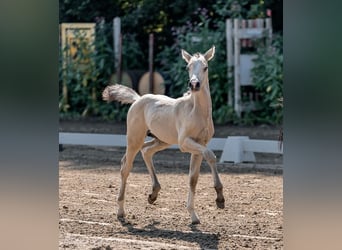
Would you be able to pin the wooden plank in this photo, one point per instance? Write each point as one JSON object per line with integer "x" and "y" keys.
{"x": 270, "y": 31}
{"x": 243, "y": 27}
{"x": 250, "y": 23}
{"x": 230, "y": 59}
{"x": 251, "y": 33}
{"x": 150, "y": 62}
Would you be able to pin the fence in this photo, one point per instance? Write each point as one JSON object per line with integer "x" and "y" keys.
{"x": 235, "y": 149}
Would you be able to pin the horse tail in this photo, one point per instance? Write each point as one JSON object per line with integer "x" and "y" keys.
{"x": 119, "y": 93}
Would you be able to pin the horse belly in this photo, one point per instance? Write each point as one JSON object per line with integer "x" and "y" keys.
{"x": 165, "y": 134}
{"x": 162, "y": 125}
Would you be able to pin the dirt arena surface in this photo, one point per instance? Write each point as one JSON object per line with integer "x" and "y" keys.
{"x": 89, "y": 183}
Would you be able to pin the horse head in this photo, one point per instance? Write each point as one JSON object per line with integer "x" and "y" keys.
{"x": 198, "y": 68}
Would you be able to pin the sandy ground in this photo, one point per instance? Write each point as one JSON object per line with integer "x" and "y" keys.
{"x": 89, "y": 181}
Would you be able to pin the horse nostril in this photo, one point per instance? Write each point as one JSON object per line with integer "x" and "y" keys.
{"x": 195, "y": 85}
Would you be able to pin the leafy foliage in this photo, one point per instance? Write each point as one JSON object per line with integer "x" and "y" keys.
{"x": 267, "y": 76}
{"x": 198, "y": 38}
{"x": 191, "y": 25}
{"x": 201, "y": 35}
{"x": 84, "y": 76}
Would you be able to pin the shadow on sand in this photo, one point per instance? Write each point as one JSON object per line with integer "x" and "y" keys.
{"x": 204, "y": 240}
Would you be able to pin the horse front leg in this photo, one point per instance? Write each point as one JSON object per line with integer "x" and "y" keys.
{"x": 191, "y": 146}
{"x": 211, "y": 159}
{"x": 195, "y": 165}
{"x": 147, "y": 151}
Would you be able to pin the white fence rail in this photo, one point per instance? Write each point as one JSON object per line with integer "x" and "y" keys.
{"x": 235, "y": 148}
{"x": 117, "y": 140}
{"x": 241, "y": 149}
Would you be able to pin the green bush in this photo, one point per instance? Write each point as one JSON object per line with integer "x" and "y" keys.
{"x": 198, "y": 38}
{"x": 267, "y": 76}
{"x": 209, "y": 31}
{"x": 89, "y": 73}
{"x": 175, "y": 26}
{"x": 85, "y": 76}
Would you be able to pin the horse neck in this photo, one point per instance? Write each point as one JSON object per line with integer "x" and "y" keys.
{"x": 202, "y": 101}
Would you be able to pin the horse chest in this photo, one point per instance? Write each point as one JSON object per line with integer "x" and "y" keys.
{"x": 202, "y": 131}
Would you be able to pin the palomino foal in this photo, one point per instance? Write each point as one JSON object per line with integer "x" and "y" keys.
{"x": 186, "y": 121}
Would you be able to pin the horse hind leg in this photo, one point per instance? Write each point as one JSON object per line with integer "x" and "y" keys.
{"x": 149, "y": 149}
{"x": 132, "y": 149}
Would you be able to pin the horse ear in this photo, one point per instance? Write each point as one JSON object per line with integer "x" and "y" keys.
{"x": 186, "y": 56}
{"x": 210, "y": 54}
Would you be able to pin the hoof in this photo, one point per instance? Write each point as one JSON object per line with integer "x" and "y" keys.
{"x": 151, "y": 200}
{"x": 120, "y": 215}
{"x": 195, "y": 222}
{"x": 220, "y": 203}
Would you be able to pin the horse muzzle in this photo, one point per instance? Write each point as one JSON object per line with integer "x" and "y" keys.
{"x": 194, "y": 85}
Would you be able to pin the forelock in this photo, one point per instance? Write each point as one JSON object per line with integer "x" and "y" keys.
{"x": 198, "y": 55}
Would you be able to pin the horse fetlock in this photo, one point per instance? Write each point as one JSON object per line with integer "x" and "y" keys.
{"x": 191, "y": 209}
{"x": 220, "y": 199}
{"x": 153, "y": 196}
{"x": 219, "y": 189}
{"x": 194, "y": 218}
{"x": 156, "y": 188}
{"x": 121, "y": 198}
{"x": 121, "y": 210}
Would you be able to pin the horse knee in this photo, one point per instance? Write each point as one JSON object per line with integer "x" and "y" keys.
{"x": 124, "y": 171}
{"x": 182, "y": 148}
{"x": 123, "y": 161}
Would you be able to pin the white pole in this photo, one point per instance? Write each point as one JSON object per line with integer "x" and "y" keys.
{"x": 269, "y": 30}
{"x": 237, "y": 98}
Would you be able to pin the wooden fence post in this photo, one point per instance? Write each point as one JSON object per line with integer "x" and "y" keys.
{"x": 117, "y": 40}
{"x": 150, "y": 62}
